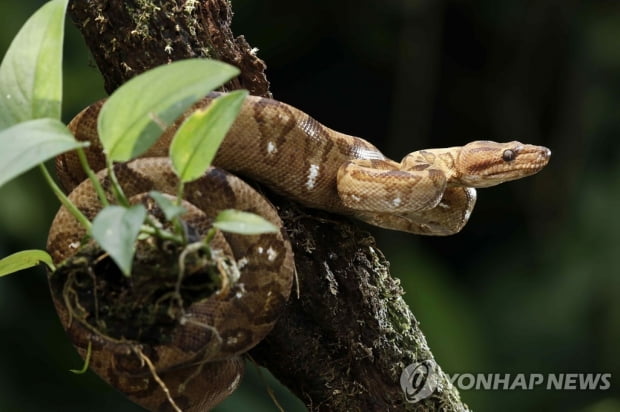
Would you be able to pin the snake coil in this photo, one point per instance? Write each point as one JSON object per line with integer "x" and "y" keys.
{"x": 199, "y": 361}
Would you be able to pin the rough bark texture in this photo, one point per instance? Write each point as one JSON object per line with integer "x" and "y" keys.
{"x": 344, "y": 341}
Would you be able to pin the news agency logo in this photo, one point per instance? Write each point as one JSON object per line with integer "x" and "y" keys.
{"x": 419, "y": 380}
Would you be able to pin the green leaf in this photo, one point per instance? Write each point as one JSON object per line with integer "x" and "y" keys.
{"x": 197, "y": 140}
{"x": 167, "y": 205}
{"x": 244, "y": 223}
{"x": 28, "y": 144}
{"x": 24, "y": 260}
{"x": 134, "y": 117}
{"x": 31, "y": 72}
{"x": 116, "y": 229}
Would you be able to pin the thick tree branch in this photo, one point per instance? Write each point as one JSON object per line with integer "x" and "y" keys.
{"x": 343, "y": 343}
{"x": 127, "y": 37}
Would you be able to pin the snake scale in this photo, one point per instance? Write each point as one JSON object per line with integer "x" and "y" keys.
{"x": 430, "y": 192}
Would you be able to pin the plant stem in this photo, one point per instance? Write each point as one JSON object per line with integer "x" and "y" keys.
{"x": 159, "y": 232}
{"x": 176, "y": 221}
{"x": 65, "y": 200}
{"x": 209, "y": 236}
{"x": 180, "y": 191}
{"x": 116, "y": 186}
{"x": 93, "y": 178}
{"x": 162, "y": 234}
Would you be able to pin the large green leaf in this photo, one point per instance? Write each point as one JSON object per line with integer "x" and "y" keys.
{"x": 116, "y": 229}
{"x": 24, "y": 260}
{"x": 244, "y": 223}
{"x": 31, "y": 72}
{"x": 197, "y": 140}
{"x": 134, "y": 116}
{"x": 30, "y": 143}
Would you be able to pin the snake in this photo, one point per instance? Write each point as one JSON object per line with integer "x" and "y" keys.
{"x": 429, "y": 192}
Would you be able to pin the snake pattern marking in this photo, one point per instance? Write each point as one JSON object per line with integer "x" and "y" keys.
{"x": 430, "y": 192}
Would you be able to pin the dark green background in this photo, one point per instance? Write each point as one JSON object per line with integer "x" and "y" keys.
{"x": 532, "y": 285}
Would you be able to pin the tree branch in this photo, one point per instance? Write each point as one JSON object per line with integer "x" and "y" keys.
{"x": 343, "y": 342}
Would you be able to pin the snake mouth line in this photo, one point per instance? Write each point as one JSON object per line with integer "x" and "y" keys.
{"x": 530, "y": 161}
{"x": 524, "y": 170}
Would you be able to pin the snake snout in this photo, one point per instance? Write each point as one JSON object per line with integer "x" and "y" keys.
{"x": 535, "y": 158}
{"x": 545, "y": 154}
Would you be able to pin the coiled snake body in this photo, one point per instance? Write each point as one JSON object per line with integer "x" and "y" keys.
{"x": 429, "y": 192}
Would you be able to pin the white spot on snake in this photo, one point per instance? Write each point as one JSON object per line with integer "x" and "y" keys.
{"x": 240, "y": 291}
{"x": 232, "y": 340}
{"x": 74, "y": 245}
{"x": 260, "y": 250}
{"x": 271, "y": 254}
{"x": 356, "y": 198}
{"x": 313, "y": 173}
{"x": 443, "y": 205}
{"x": 234, "y": 383}
{"x": 396, "y": 202}
{"x": 271, "y": 148}
{"x": 467, "y": 215}
{"x": 242, "y": 262}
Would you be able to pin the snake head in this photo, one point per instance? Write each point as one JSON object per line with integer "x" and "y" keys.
{"x": 484, "y": 163}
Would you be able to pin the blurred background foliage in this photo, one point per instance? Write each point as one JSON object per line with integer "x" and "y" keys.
{"x": 532, "y": 285}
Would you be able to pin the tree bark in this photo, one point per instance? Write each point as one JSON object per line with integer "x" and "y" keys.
{"x": 345, "y": 338}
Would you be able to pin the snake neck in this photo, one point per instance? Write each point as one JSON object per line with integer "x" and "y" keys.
{"x": 444, "y": 160}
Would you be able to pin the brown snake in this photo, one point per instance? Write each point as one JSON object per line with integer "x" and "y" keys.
{"x": 429, "y": 192}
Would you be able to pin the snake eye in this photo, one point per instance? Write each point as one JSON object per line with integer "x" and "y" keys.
{"x": 509, "y": 155}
